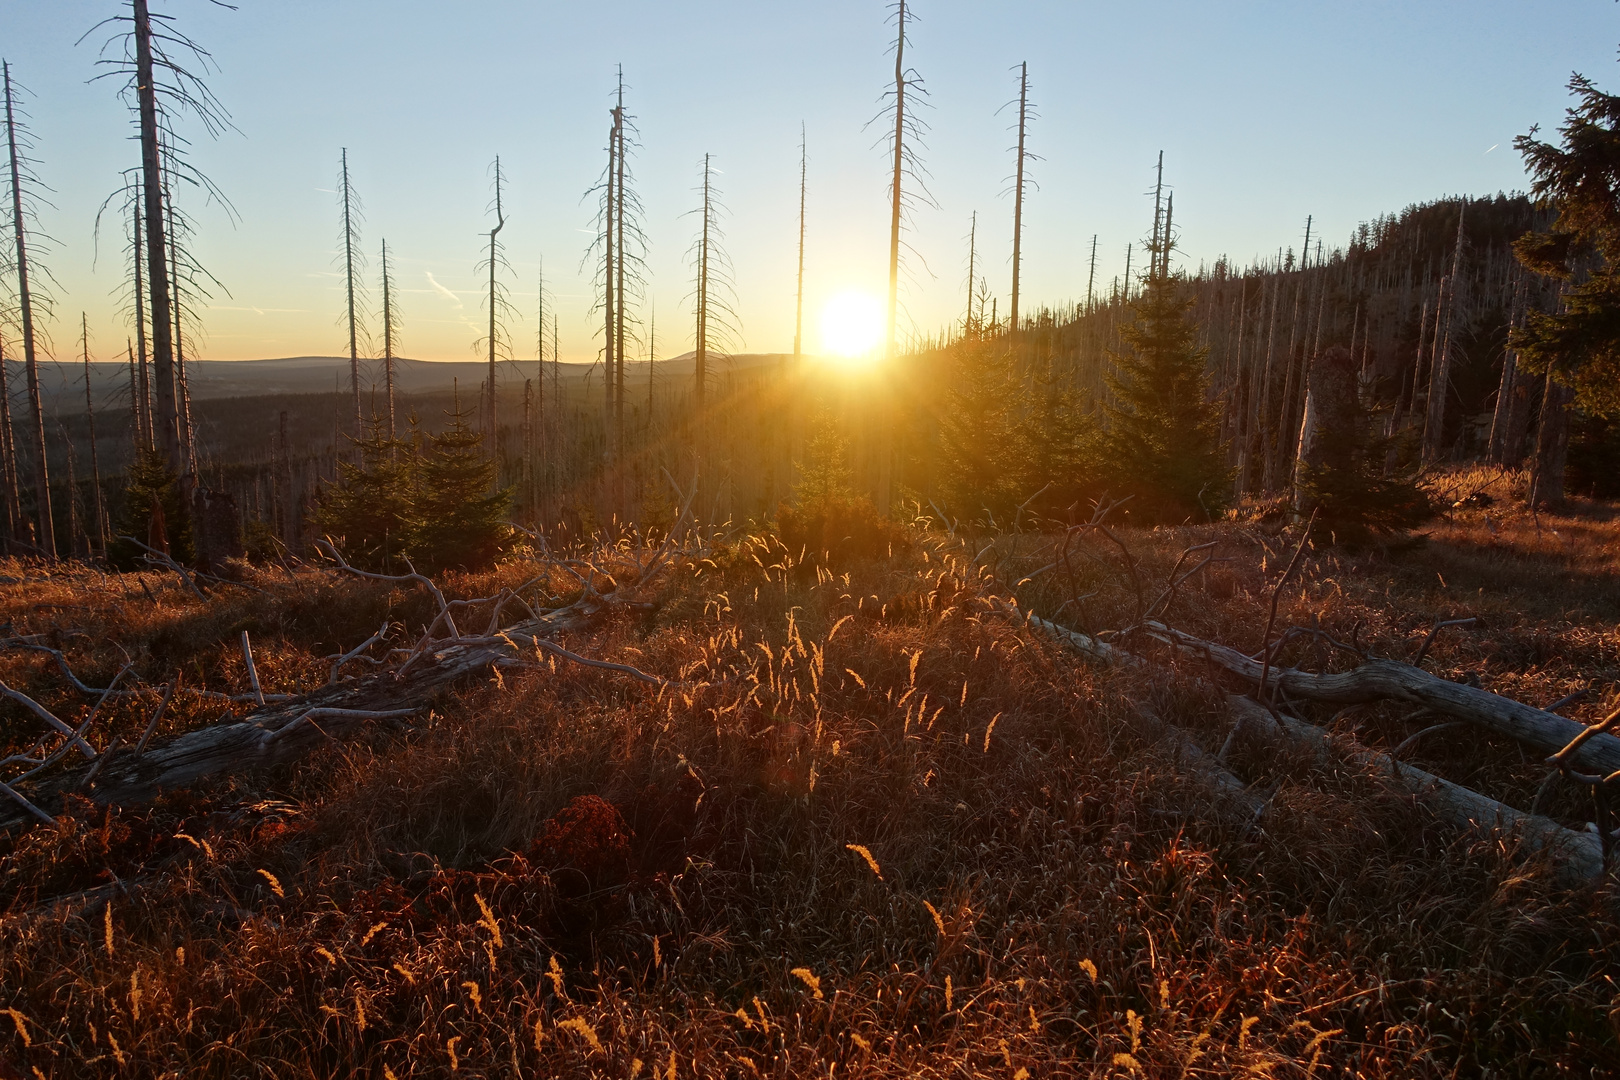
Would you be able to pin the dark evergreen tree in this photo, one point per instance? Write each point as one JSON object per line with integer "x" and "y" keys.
{"x": 1162, "y": 441}
{"x": 825, "y": 517}
{"x": 1340, "y": 479}
{"x": 1580, "y": 178}
{"x": 154, "y": 513}
{"x": 824, "y": 472}
{"x": 1594, "y": 457}
{"x": 1054, "y": 450}
{"x": 982, "y": 466}
{"x": 460, "y": 515}
{"x": 371, "y": 513}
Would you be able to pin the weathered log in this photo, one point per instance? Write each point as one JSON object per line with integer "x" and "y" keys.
{"x": 1381, "y": 680}
{"x": 1184, "y": 749}
{"x": 258, "y": 740}
{"x": 1177, "y": 740}
{"x": 1578, "y": 857}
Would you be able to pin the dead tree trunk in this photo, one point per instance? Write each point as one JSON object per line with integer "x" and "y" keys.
{"x": 790, "y": 447}
{"x": 973, "y": 258}
{"x": 188, "y": 436}
{"x": 1260, "y": 425}
{"x": 621, "y": 353}
{"x": 143, "y": 399}
{"x": 349, "y": 239}
{"x": 1242, "y": 389}
{"x": 1283, "y": 437}
{"x": 526, "y": 480}
{"x": 891, "y": 340}
{"x": 554, "y": 432}
{"x": 167, "y": 420}
{"x": 8, "y": 456}
{"x": 288, "y": 503}
{"x": 1552, "y": 443}
{"x": 98, "y": 522}
{"x": 217, "y": 528}
{"x": 798, "y": 304}
{"x": 1511, "y": 418}
{"x": 611, "y": 344}
{"x": 652, "y": 357}
{"x": 535, "y": 448}
{"x": 134, "y": 406}
{"x": 1518, "y": 418}
{"x": 1328, "y": 431}
{"x": 78, "y": 543}
{"x": 491, "y": 416}
{"x": 1018, "y": 195}
{"x": 389, "y": 316}
{"x": 273, "y": 733}
{"x": 1434, "y": 427}
{"x": 1578, "y": 857}
{"x": 1158, "y": 224}
{"x": 1380, "y": 680}
{"x": 25, "y": 310}
{"x": 701, "y": 349}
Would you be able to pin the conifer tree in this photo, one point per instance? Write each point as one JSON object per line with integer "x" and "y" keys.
{"x": 154, "y": 512}
{"x": 460, "y": 515}
{"x": 824, "y": 473}
{"x": 1055, "y": 471}
{"x": 1162, "y": 443}
{"x": 826, "y": 516}
{"x": 1339, "y": 476}
{"x": 981, "y": 446}
{"x": 1580, "y": 178}
{"x": 370, "y": 512}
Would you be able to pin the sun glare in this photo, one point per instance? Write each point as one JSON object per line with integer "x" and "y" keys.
{"x": 852, "y": 326}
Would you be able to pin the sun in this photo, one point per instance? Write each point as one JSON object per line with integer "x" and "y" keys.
{"x": 852, "y": 326}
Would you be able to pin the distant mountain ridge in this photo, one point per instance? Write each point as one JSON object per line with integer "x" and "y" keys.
{"x": 62, "y": 382}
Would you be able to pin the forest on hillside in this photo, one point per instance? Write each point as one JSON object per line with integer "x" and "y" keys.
{"x": 1439, "y": 279}
{"x": 1000, "y": 413}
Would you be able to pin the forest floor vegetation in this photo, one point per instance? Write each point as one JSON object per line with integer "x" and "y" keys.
{"x": 872, "y": 826}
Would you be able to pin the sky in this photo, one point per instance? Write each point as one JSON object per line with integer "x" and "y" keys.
{"x": 1265, "y": 112}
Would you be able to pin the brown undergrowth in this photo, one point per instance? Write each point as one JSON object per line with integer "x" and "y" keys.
{"x": 875, "y": 829}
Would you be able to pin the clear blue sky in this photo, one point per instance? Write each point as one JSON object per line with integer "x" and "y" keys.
{"x": 1266, "y": 112}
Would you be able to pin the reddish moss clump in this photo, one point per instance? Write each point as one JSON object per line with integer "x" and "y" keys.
{"x": 589, "y": 836}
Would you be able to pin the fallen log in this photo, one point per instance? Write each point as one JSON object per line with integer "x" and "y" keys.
{"x": 1185, "y": 751}
{"x": 1391, "y": 680}
{"x": 282, "y": 731}
{"x": 1578, "y": 857}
